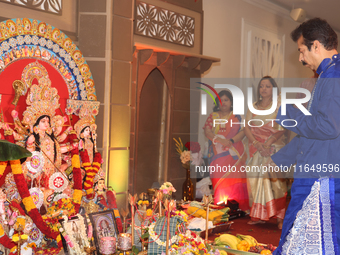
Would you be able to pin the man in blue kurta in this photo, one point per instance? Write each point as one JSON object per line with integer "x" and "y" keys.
{"x": 315, "y": 149}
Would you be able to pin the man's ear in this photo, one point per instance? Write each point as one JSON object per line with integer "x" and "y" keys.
{"x": 317, "y": 46}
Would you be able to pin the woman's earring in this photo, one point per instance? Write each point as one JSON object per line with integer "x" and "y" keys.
{"x": 260, "y": 97}
{"x": 36, "y": 129}
{"x": 49, "y": 131}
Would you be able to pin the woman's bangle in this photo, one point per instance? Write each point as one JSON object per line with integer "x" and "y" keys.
{"x": 255, "y": 142}
{"x": 214, "y": 139}
{"x": 232, "y": 140}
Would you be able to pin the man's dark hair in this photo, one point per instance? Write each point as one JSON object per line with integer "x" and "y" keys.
{"x": 316, "y": 29}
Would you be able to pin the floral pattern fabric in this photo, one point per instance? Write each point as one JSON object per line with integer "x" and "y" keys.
{"x": 313, "y": 231}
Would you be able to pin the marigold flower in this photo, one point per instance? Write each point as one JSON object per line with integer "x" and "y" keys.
{"x": 24, "y": 237}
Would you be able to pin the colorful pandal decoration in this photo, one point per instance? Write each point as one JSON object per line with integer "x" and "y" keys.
{"x": 33, "y": 39}
{"x": 42, "y": 100}
{"x": 55, "y": 122}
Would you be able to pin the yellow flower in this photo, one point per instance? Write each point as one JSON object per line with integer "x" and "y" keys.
{"x": 201, "y": 246}
{"x": 148, "y": 212}
{"x": 24, "y": 237}
{"x": 32, "y": 245}
{"x": 75, "y": 161}
{"x": 16, "y": 167}
{"x": 3, "y": 166}
{"x": 15, "y": 238}
{"x": 146, "y": 202}
{"x": 21, "y": 221}
{"x": 140, "y": 202}
{"x": 1, "y": 231}
{"x": 29, "y": 204}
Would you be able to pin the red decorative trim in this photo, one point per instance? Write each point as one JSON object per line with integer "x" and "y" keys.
{"x": 7, "y": 242}
{"x": 275, "y": 207}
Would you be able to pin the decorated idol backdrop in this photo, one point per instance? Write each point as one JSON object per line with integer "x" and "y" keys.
{"x": 47, "y": 106}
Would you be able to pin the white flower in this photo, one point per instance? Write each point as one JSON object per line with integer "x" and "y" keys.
{"x": 20, "y": 40}
{"x": 28, "y": 39}
{"x": 185, "y": 157}
{"x": 35, "y": 40}
{"x": 56, "y": 48}
{"x": 76, "y": 71}
{"x": 42, "y": 41}
{"x": 49, "y": 44}
{"x": 58, "y": 182}
{"x": 72, "y": 64}
{"x": 13, "y": 42}
{"x": 62, "y": 53}
{"x": 79, "y": 78}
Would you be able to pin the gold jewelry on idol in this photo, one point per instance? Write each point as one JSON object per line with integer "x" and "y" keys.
{"x": 49, "y": 130}
{"x": 42, "y": 99}
{"x": 87, "y": 121}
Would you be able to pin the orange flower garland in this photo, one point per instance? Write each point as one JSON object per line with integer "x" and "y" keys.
{"x": 77, "y": 193}
{"x": 27, "y": 200}
{"x": 91, "y": 171}
{"x": 4, "y": 239}
{"x": 3, "y": 166}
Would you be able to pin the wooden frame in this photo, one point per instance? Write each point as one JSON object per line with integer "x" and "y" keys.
{"x": 103, "y": 224}
{"x": 75, "y": 221}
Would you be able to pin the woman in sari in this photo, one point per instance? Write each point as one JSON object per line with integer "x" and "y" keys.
{"x": 267, "y": 193}
{"x": 226, "y": 153}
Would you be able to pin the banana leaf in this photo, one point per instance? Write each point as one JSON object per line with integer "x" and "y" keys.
{"x": 11, "y": 151}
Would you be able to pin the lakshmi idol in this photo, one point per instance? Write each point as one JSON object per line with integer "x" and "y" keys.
{"x": 86, "y": 131}
{"x": 90, "y": 158}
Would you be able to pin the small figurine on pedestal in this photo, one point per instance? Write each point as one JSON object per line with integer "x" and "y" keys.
{"x": 106, "y": 199}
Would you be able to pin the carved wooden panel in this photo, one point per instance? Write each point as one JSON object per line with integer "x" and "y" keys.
{"x": 163, "y": 24}
{"x": 51, "y": 6}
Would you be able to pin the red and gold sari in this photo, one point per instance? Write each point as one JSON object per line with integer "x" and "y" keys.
{"x": 228, "y": 182}
{"x": 267, "y": 193}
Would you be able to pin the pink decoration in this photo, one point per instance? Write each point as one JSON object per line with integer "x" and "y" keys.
{"x": 107, "y": 245}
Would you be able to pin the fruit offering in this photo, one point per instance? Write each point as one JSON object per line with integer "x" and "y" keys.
{"x": 243, "y": 246}
{"x": 228, "y": 240}
{"x": 244, "y": 243}
{"x": 262, "y": 250}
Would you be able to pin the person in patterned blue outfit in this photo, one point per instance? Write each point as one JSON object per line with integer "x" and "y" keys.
{"x": 312, "y": 220}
